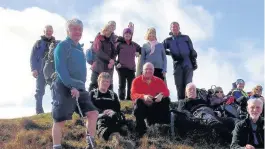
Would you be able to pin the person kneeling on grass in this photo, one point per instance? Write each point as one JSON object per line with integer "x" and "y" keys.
{"x": 111, "y": 122}
{"x": 151, "y": 99}
{"x": 70, "y": 67}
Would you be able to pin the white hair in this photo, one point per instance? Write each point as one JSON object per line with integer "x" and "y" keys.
{"x": 190, "y": 85}
{"x": 253, "y": 100}
{"x": 73, "y": 22}
{"x": 148, "y": 63}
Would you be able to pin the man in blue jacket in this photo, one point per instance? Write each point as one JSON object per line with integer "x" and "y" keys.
{"x": 184, "y": 58}
{"x": 70, "y": 67}
{"x": 39, "y": 50}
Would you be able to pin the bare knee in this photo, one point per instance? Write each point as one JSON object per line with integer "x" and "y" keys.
{"x": 92, "y": 115}
{"x": 59, "y": 124}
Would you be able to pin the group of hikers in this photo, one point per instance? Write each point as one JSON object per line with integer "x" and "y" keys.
{"x": 237, "y": 116}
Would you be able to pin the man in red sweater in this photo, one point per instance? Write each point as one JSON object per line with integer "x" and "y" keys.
{"x": 151, "y": 99}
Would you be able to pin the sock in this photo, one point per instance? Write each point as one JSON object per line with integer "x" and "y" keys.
{"x": 90, "y": 140}
{"x": 57, "y": 146}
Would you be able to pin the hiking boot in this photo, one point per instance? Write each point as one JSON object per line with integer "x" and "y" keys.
{"x": 117, "y": 140}
{"x": 57, "y": 147}
{"x": 39, "y": 111}
{"x": 91, "y": 144}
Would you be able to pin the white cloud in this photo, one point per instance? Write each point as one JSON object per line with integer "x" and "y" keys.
{"x": 20, "y": 29}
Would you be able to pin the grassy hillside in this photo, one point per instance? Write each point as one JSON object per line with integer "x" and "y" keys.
{"x": 35, "y": 133}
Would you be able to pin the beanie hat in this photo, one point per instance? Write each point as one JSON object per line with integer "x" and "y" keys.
{"x": 238, "y": 81}
{"x": 127, "y": 30}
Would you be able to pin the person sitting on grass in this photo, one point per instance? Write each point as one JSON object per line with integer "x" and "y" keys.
{"x": 151, "y": 99}
{"x": 111, "y": 122}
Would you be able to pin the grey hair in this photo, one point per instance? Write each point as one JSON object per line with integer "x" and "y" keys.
{"x": 73, "y": 22}
{"x": 103, "y": 76}
{"x": 252, "y": 100}
{"x": 148, "y": 63}
{"x": 173, "y": 23}
{"x": 47, "y": 26}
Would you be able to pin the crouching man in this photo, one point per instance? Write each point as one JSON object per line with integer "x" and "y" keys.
{"x": 151, "y": 99}
{"x": 70, "y": 67}
{"x": 111, "y": 122}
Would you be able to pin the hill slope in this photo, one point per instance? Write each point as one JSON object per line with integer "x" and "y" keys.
{"x": 35, "y": 133}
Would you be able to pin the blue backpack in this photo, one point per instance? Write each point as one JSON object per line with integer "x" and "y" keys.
{"x": 90, "y": 55}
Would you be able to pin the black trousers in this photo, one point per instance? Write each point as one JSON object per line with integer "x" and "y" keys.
{"x": 182, "y": 76}
{"x": 125, "y": 75}
{"x": 155, "y": 113}
{"x": 159, "y": 73}
{"x": 106, "y": 125}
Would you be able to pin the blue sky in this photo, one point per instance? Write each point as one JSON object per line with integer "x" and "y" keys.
{"x": 228, "y": 36}
{"x": 238, "y": 18}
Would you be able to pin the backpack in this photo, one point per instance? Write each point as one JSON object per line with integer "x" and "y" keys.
{"x": 202, "y": 94}
{"x": 90, "y": 55}
{"x": 49, "y": 66}
{"x": 205, "y": 94}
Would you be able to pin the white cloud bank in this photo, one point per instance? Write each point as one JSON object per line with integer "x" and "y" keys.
{"x": 20, "y": 29}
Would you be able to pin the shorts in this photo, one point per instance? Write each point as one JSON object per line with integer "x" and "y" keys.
{"x": 63, "y": 105}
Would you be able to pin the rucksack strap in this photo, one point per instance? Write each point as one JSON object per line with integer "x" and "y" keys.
{"x": 96, "y": 94}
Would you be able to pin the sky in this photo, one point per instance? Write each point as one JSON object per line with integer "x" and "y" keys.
{"x": 228, "y": 36}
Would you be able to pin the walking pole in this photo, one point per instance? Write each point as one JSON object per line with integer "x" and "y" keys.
{"x": 82, "y": 118}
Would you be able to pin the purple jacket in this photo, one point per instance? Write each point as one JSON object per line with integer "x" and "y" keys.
{"x": 126, "y": 54}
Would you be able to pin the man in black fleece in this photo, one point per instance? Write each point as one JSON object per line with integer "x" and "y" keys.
{"x": 249, "y": 133}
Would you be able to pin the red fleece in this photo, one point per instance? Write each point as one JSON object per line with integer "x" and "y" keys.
{"x": 141, "y": 88}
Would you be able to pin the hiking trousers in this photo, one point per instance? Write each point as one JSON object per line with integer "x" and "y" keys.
{"x": 40, "y": 91}
{"x": 106, "y": 125}
{"x": 182, "y": 76}
{"x": 125, "y": 76}
{"x": 157, "y": 112}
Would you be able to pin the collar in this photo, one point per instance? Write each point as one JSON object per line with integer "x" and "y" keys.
{"x": 259, "y": 121}
{"x": 69, "y": 40}
{"x": 151, "y": 80}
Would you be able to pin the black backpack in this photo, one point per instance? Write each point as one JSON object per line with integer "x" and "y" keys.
{"x": 205, "y": 94}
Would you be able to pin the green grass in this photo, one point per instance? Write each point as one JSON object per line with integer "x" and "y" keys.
{"x": 35, "y": 133}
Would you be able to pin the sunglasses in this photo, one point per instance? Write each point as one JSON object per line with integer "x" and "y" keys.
{"x": 219, "y": 92}
{"x": 258, "y": 89}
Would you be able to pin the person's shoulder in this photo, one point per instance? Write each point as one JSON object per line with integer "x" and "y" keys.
{"x": 135, "y": 43}
{"x": 168, "y": 38}
{"x": 185, "y": 36}
{"x": 63, "y": 44}
{"x": 242, "y": 123}
{"x": 160, "y": 45}
{"x": 91, "y": 92}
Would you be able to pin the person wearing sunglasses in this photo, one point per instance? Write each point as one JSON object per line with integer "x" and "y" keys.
{"x": 218, "y": 97}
